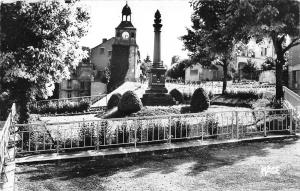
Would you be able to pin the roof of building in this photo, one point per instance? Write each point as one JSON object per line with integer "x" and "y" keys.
{"x": 126, "y": 10}
{"x": 125, "y": 24}
{"x": 107, "y": 41}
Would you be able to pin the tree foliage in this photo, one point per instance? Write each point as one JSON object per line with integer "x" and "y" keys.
{"x": 208, "y": 39}
{"x": 146, "y": 65}
{"x": 277, "y": 20}
{"x": 39, "y": 47}
{"x": 175, "y": 59}
{"x": 178, "y": 70}
{"x": 269, "y": 64}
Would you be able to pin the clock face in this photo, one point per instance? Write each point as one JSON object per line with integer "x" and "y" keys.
{"x": 125, "y": 35}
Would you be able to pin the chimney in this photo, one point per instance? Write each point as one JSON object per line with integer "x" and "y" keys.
{"x": 104, "y": 40}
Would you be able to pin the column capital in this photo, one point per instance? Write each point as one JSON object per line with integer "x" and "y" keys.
{"x": 157, "y": 21}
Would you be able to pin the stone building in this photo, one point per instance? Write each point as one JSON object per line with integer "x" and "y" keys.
{"x": 198, "y": 72}
{"x": 79, "y": 83}
{"x": 294, "y": 69}
{"x": 256, "y": 52}
{"x": 90, "y": 78}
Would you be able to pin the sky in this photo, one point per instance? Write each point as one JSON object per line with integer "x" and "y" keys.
{"x": 175, "y": 14}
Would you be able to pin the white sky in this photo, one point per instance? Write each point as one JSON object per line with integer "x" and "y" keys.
{"x": 106, "y": 16}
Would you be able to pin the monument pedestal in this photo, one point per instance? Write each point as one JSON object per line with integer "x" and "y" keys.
{"x": 157, "y": 93}
{"x": 153, "y": 99}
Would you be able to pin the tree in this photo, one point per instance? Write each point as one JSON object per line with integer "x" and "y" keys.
{"x": 178, "y": 70}
{"x": 250, "y": 69}
{"x": 277, "y": 20}
{"x": 175, "y": 59}
{"x": 269, "y": 64}
{"x": 208, "y": 40}
{"x": 146, "y": 65}
{"x": 39, "y": 47}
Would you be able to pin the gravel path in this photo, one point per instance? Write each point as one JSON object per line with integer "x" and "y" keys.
{"x": 273, "y": 165}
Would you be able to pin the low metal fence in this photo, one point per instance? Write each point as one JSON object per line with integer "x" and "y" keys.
{"x": 293, "y": 102}
{"x": 216, "y": 87}
{"x": 4, "y": 137}
{"x": 135, "y": 131}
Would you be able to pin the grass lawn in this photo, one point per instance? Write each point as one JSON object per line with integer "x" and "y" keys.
{"x": 270, "y": 165}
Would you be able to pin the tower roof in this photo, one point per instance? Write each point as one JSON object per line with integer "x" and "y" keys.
{"x": 125, "y": 24}
{"x": 126, "y": 10}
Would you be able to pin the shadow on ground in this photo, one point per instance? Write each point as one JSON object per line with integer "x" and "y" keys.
{"x": 201, "y": 158}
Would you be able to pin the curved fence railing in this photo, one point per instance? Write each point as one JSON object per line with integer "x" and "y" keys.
{"x": 97, "y": 134}
{"x": 4, "y": 137}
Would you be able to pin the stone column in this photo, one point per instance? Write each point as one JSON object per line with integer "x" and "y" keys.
{"x": 157, "y": 26}
{"x": 157, "y": 93}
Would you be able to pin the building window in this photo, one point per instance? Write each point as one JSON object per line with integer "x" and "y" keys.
{"x": 109, "y": 53}
{"x": 294, "y": 77}
{"x": 193, "y": 72}
{"x": 265, "y": 51}
{"x": 69, "y": 84}
{"x": 69, "y": 94}
{"x": 132, "y": 35}
{"x": 101, "y": 50}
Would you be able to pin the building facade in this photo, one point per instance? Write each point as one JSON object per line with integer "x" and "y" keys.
{"x": 294, "y": 69}
{"x": 198, "y": 72}
{"x": 254, "y": 52}
{"x": 79, "y": 83}
{"x": 90, "y": 78}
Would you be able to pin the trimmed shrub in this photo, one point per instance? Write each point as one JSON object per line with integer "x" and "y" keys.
{"x": 243, "y": 94}
{"x": 61, "y": 107}
{"x": 130, "y": 103}
{"x": 114, "y": 100}
{"x": 200, "y": 101}
{"x": 177, "y": 95}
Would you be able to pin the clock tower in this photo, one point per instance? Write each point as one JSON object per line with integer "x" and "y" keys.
{"x": 125, "y": 54}
{"x": 125, "y": 32}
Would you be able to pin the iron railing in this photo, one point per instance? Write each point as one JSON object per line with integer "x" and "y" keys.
{"x": 216, "y": 87}
{"x": 4, "y": 137}
{"x": 292, "y": 98}
{"x": 133, "y": 131}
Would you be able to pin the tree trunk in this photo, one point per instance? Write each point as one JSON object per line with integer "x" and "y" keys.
{"x": 224, "y": 77}
{"x": 279, "y": 68}
{"x": 279, "y": 64}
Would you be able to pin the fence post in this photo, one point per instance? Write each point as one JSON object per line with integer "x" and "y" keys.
{"x": 265, "y": 124}
{"x": 237, "y": 124}
{"x": 291, "y": 121}
{"x": 232, "y": 122}
{"x": 57, "y": 149}
{"x": 98, "y": 135}
{"x": 202, "y": 132}
{"x": 170, "y": 130}
{"x": 135, "y": 140}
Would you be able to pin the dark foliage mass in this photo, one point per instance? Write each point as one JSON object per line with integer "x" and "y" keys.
{"x": 119, "y": 66}
{"x": 130, "y": 103}
{"x": 200, "y": 101}
{"x": 177, "y": 95}
{"x": 114, "y": 100}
